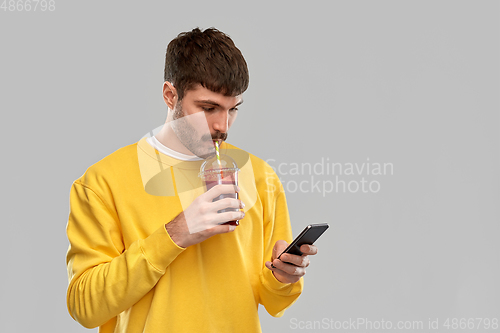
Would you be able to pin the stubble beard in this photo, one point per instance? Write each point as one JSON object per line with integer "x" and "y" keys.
{"x": 188, "y": 135}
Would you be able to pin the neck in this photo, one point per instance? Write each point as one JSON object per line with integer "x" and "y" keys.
{"x": 168, "y": 138}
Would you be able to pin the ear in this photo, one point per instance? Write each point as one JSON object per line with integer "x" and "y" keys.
{"x": 169, "y": 95}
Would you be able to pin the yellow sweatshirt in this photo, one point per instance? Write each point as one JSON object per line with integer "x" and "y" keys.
{"x": 127, "y": 275}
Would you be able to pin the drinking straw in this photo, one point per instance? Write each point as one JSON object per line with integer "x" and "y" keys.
{"x": 218, "y": 157}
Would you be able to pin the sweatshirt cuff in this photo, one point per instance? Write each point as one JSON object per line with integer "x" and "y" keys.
{"x": 270, "y": 282}
{"x": 159, "y": 249}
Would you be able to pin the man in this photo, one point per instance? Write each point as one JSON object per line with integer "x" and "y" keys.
{"x": 148, "y": 251}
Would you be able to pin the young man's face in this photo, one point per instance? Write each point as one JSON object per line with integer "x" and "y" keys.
{"x": 203, "y": 116}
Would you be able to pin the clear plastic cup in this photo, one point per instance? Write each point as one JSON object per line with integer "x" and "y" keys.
{"x": 221, "y": 171}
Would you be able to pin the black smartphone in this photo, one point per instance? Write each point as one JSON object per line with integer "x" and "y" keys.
{"x": 308, "y": 236}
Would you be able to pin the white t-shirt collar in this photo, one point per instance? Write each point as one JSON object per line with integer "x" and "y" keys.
{"x": 153, "y": 141}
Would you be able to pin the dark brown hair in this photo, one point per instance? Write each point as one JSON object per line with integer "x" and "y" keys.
{"x": 209, "y": 58}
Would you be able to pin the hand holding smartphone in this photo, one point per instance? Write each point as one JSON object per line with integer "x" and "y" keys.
{"x": 308, "y": 236}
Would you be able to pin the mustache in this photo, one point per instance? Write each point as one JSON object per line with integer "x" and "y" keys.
{"x": 221, "y": 136}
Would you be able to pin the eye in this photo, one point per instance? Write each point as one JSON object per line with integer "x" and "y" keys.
{"x": 233, "y": 110}
{"x": 207, "y": 108}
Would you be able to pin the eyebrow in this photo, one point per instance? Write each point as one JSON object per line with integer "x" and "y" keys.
{"x": 207, "y": 101}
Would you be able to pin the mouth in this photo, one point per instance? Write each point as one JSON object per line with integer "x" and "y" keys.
{"x": 219, "y": 141}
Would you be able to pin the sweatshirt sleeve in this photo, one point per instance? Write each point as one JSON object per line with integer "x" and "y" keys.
{"x": 275, "y": 295}
{"x": 105, "y": 278}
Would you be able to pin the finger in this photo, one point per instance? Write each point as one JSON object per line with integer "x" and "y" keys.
{"x": 226, "y": 203}
{"x": 309, "y": 249}
{"x": 302, "y": 261}
{"x": 227, "y": 216}
{"x": 220, "y": 229}
{"x": 284, "y": 277}
{"x": 219, "y": 189}
{"x": 271, "y": 267}
{"x": 289, "y": 268}
{"x": 279, "y": 247}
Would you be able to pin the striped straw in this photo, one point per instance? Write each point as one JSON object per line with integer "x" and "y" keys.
{"x": 218, "y": 157}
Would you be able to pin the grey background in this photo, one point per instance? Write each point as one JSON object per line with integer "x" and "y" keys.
{"x": 412, "y": 83}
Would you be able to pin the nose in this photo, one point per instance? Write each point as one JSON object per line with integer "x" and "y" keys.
{"x": 221, "y": 122}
